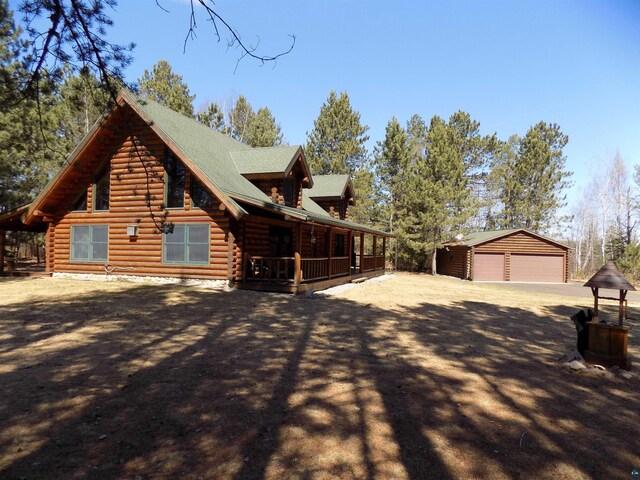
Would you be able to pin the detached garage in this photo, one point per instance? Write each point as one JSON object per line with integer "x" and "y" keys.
{"x": 505, "y": 256}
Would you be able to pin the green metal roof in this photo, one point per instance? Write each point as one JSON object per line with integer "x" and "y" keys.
{"x": 328, "y": 186}
{"x": 264, "y": 160}
{"x": 223, "y": 160}
{"x": 311, "y": 206}
{"x": 476, "y": 238}
{"x": 306, "y": 215}
{"x": 205, "y": 147}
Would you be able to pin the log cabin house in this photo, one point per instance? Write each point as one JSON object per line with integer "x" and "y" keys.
{"x": 515, "y": 255}
{"x": 150, "y": 192}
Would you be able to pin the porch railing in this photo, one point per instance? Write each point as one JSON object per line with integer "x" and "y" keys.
{"x": 368, "y": 263}
{"x": 314, "y": 268}
{"x": 271, "y": 268}
{"x": 311, "y": 269}
{"x": 340, "y": 266}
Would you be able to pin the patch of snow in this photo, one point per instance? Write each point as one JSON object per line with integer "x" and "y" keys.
{"x": 191, "y": 282}
{"x": 577, "y": 365}
{"x": 345, "y": 287}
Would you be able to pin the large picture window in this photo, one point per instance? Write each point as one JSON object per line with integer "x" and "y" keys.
{"x": 188, "y": 243}
{"x": 89, "y": 243}
{"x": 174, "y": 196}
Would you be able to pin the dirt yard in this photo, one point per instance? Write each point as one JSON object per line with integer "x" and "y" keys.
{"x": 413, "y": 377}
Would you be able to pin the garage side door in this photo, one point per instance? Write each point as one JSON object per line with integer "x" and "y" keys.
{"x": 537, "y": 268}
{"x": 488, "y": 267}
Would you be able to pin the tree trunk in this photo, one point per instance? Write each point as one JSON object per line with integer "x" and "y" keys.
{"x": 433, "y": 262}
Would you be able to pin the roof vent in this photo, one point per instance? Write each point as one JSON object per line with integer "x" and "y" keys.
{"x": 459, "y": 237}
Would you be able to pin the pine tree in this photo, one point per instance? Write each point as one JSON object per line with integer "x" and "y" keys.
{"x": 11, "y": 49}
{"x": 82, "y": 102}
{"x": 212, "y": 116}
{"x": 29, "y": 137}
{"x": 337, "y": 142}
{"x": 435, "y": 199}
{"x": 532, "y": 178}
{"x": 263, "y": 130}
{"x": 366, "y": 210}
{"x": 167, "y": 88}
{"x": 239, "y": 119}
{"x": 392, "y": 159}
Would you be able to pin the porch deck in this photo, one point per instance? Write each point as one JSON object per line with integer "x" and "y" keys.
{"x": 302, "y": 275}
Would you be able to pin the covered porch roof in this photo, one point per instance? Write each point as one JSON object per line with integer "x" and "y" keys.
{"x": 13, "y": 220}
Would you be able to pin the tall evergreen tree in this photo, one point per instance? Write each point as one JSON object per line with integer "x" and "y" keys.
{"x": 435, "y": 198}
{"x": 212, "y": 116}
{"x": 532, "y": 178}
{"x": 29, "y": 135}
{"x": 11, "y": 49}
{"x": 239, "y": 119}
{"x": 167, "y": 88}
{"x": 476, "y": 153}
{"x": 367, "y": 207}
{"x": 417, "y": 134}
{"x": 263, "y": 130}
{"x": 392, "y": 157}
{"x": 337, "y": 142}
{"x": 82, "y": 102}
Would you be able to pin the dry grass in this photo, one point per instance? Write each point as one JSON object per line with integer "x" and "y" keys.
{"x": 415, "y": 377}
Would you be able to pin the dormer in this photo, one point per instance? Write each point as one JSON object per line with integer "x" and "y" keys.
{"x": 334, "y": 193}
{"x": 279, "y": 172}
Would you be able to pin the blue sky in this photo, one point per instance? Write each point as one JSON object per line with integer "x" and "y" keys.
{"x": 509, "y": 64}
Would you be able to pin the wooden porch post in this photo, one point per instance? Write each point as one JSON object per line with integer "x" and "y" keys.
{"x": 230, "y": 257}
{"x": 349, "y": 248}
{"x": 375, "y": 252}
{"x": 361, "y": 252}
{"x": 244, "y": 259}
{"x": 297, "y": 274}
{"x": 2, "y": 240}
{"x": 330, "y": 252}
{"x": 384, "y": 252}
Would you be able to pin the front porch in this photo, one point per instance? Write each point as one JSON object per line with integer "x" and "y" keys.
{"x": 345, "y": 256}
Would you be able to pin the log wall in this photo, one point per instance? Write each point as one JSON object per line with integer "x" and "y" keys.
{"x": 453, "y": 262}
{"x": 333, "y": 206}
{"x": 130, "y": 185}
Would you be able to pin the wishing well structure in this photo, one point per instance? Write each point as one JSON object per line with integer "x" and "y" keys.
{"x": 608, "y": 342}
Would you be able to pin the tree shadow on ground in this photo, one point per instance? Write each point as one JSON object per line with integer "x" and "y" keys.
{"x": 172, "y": 382}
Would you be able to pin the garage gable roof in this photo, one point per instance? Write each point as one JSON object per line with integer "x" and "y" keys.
{"x": 477, "y": 238}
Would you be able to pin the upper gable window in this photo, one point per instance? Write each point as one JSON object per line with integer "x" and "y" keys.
{"x": 288, "y": 192}
{"x": 101, "y": 190}
{"x": 80, "y": 204}
{"x": 174, "y": 196}
{"x": 200, "y": 197}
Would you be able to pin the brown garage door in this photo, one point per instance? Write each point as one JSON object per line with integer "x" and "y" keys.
{"x": 537, "y": 268}
{"x": 488, "y": 267}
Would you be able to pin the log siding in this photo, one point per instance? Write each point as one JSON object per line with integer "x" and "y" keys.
{"x": 131, "y": 184}
{"x": 458, "y": 261}
{"x": 452, "y": 262}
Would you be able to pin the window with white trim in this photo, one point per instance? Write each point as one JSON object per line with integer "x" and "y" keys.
{"x": 187, "y": 244}
{"x": 89, "y": 243}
